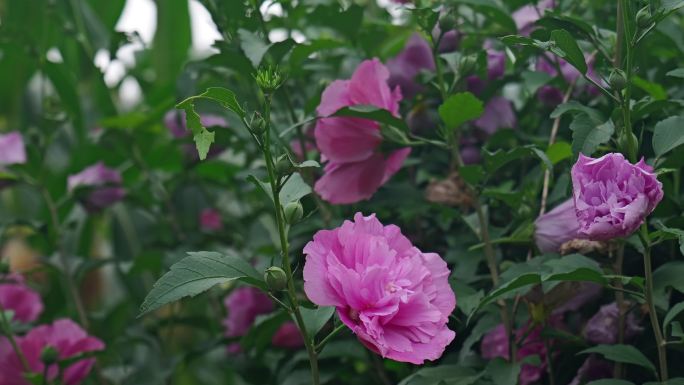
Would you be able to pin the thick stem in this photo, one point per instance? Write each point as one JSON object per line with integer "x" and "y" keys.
{"x": 284, "y": 246}
{"x": 653, "y": 315}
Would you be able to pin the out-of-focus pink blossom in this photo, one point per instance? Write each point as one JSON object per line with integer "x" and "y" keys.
{"x": 103, "y": 183}
{"x": 12, "y": 150}
{"x": 526, "y": 16}
{"x": 244, "y": 305}
{"x": 20, "y": 299}
{"x": 498, "y": 113}
{"x": 288, "y": 336}
{"x": 356, "y": 168}
{"x": 415, "y": 57}
{"x": 593, "y": 369}
{"x": 612, "y": 196}
{"x": 556, "y": 227}
{"x": 65, "y": 336}
{"x": 395, "y": 298}
{"x": 210, "y": 220}
{"x": 602, "y": 328}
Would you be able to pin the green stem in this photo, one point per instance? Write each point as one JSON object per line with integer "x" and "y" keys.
{"x": 648, "y": 271}
{"x": 327, "y": 338}
{"x": 284, "y": 246}
{"x": 620, "y": 300}
{"x": 4, "y": 322}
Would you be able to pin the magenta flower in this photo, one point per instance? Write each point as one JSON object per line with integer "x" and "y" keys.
{"x": 602, "y": 328}
{"x": 21, "y": 299}
{"x": 498, "y": 113}
{"x": 103, "y": 185}
{"x": 526, "y": 16}
{"x": 12, "y": 150}
{"x": 592, "y": 369}
{"x": 210, "y": 220}
{"x": 244, "y": 305}
{"x": 288, "y": 336}
{"x": 63, "y": 335}
{"x": 395, "y": 298}
{"x": 415, "y": 57}
{"x": 356, "y": 168}
{"x": 556, "y": 227}
{"x": 612, "y": 196}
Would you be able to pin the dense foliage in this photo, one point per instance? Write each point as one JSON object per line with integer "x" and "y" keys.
{"x": 343, "y": 192}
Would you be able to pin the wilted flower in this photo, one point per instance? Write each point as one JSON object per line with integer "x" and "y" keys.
{"x": 64, "y": 336}
{"x": 210, "y": 220}
{"x": 20, "y": 299}
{"x": 602, "y": 328}
{"x": 612, "y": 196}
{"x": 556, "y": 227}
{"x": 12, "y": 150}
{"x": 103, "y": 186}
{"x": 451, "y": 191}
{"x": 593, "y": 369}
{"x": 288, "y": 336}
{"x": 395, "y": 298}
{"x": 526, "y": 16}
{"x": 498, "y": 113}
{"x": 415, "y": 57}
{"x": 356, "y": 168}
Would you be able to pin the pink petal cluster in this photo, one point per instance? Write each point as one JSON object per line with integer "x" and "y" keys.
{"x": 12, "y": 150}
{"x": 356, "y": 168}
{"x": 63, "y": 335}
{"x": 20, "y": 299}
{"x": 526, "y": 16}
{"x": 602, "y": 328}
{"x": 612, "y": 196}
{"x": 395, "y": 298}
{"x": 553, "y": 96}
{"x": 498, "y": 113}
{"x": 104, "y": 186}
{"x": 210, "y": 220}
{"x": 496, "y": 344}
{"x": 556, "y": 227}
{"x": 288, "y": 336}
{"x": 415, "y": 57}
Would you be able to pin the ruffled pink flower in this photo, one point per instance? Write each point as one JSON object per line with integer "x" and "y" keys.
{"x": 22, "y": 300}
{"x": 288, "y": 336}
{"x": 356, "y": 168}
{"x": 556, "y": 227}
{"x": 395, "y": 298}
{"x": 415, "y": 57}
{"x": 602, "y": 328}
{"x": 498, "y": 113}
{"x": 63, "y": 335}
{"x": 526, "y": 16}
{"x": 612, "y": 196}
{"x": 103, "y": 184}
{"x": 210, "y": 220}
{"x": 12, "y": 150}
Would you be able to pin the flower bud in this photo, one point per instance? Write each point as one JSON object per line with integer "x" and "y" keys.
{"x": 284, "y": 166}
{"x": 269, "y": 79}
{"x": 617, "y": 80}
{"x": 49, "y": 355}
{"x": 468, "y": 64}
{"x": 447, "y": 22}
{"x": 258, "y": 124}
{"x": 626, "y": 141}
{"x": 4, "y": 268}
{"x": 275, "y": 278}
{"x": 643, "y": 18}
{"x": 293, "y": 212}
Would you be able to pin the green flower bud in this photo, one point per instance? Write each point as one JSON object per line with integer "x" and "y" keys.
{"x": 269, "y": 79}
{"x": 447, "y": 23}
{"x": 468, "y": 64}
{"x": 293, "y": 212}
{"x": 643, "y": 18}
{"x": 626, "y": 141}
{"x": 284, "y": 166}
{"x": 4, "y": 268}
{"x": 258, "y": 124}
{"x": 49, "y": 355}
{"x": 275, "y": 278}
{"x": 617, "y": 80}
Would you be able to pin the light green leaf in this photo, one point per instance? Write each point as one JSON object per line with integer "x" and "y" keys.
{"x": 677, "y": 73}
{"x": 253, "y": 46}
{"x": 294, "y": 189}
{"x": 668, "y": 134}
{"x": 197, "y": 273}
{"x": 625, "y": 354}
{"x": 569, "y": 50}
{"x": 674, "y": 312}
{"x": 315, "y": 319}
{"x": 588, "y": 134}
{"x": 460, "y": 108}
{"x": 559, "y": 151}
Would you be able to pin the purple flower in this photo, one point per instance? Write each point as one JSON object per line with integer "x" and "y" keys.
{"x": 498, "y": 113}
{"x": 288, "y": 336}
{"x": 415, "y": 57}
{"x": 63, "y": 335}
{"x": 496, "y": 68}
{"x": 12, "y": 150}
{"x": 210, "y": 220}
{"x": 556, "y": 227}
{"x": 244, "y": 305}
{"x": 103, "y": 186}
{"x": 21, "y": 299}
{"x": 602, "y": 328}
{"x": 612, "y": 196}
{"x": 526, "y": 16}
{"x": 593, "y": 369}
{"x": 450, "y": 41}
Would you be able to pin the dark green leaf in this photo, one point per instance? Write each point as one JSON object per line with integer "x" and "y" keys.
{"x": 503, "y": 372}
{"x": 559, "y": 151}
{"x": 610, "y": 381}
{"x": 566, "y": 47}
{"x": 315, "y": 319}
{"x": 172, "y": 40}
{"x": 668, "y": 134}
{"x": 460, "y": 108}
{"x": 373, "y": 113}
{"x": 625, "y": 354}
{"x": 588, "y": 134}
{"x": 674, "y": 312}
{"x": 677, "y": 73}
{"x": 472, "y": 174}
{"x": 294, "y": 189}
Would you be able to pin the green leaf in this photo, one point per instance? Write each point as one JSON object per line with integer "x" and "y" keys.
{"x": 559, "y": 151}
{"x": 223, "y": 96}
{"x": 625, "y": 354}
{"x": 677, "y": 73}
{"x": 65, "y": 86}
{"x": 567, "y": 48}
{"x": 674, "y": 312}
{"x": 588, "y": 134}
{"x": 671, "y": 381}
{"x": 172, "y": 40}
{"x": 315, "y": 319}
{"x": 372, "y": 113}
{"x": 442, "y": 375}
{"x": 460, "y": 108}
{"x": 503, "y": 372}
{"x": 668, "y": 134}
{"x": 253, "y": 46}
{"x": 610, "y": 381}
{"x": 197, "y": 273}
{"x": 493, "y": 12}
{"x": 261, "y": 333}
{"x": 576, "y": 107}
{"x": 656, "y": 91}
{"x": 472, "y": 174}
{"x": 294, "y": 189}
{"x": 499, "y": 158}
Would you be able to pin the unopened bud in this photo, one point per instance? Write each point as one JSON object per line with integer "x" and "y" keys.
{"x": 4, "y": 268}
{"x": 284, "y": 166}
{"x": 447, "y": 23}
{"x": 627, "y": 141}
{"x": 468, "y": 64}
{"x": 269, "y": 79}
{"x": 617, "y": 80}
{"x": 643, "y": 18}
{"x": 258, "y": 124}
{"x": 49, "y": 355}
{"x": 294, "y": 211}
{"x": 275, "y": 278}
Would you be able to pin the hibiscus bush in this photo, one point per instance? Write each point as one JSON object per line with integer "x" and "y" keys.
{"x": 416, "y": 192}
